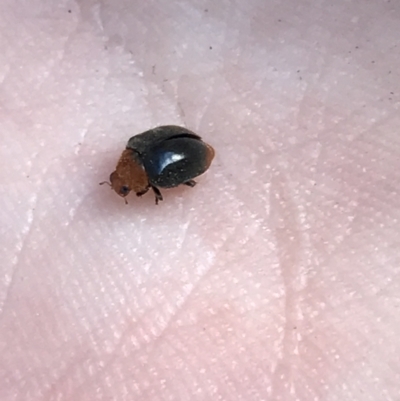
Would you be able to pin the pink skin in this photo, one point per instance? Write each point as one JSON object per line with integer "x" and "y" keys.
{"x": 276, "y": 278}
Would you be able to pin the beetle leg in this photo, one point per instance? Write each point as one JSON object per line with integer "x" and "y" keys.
{"x": 157, "y": 193}
{"x": 190, "y": 183}
{"x": 142, "y": 192}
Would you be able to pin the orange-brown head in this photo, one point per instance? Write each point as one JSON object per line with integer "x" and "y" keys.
{"x": 129, "y": 175}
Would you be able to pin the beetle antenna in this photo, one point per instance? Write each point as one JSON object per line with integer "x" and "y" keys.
{"x": 105, "y": 182}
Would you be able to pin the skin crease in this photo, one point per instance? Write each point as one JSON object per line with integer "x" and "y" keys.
{"x": 276, "y": 277}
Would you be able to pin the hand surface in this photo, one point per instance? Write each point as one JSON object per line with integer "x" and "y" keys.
{"x": 276, "y": 277}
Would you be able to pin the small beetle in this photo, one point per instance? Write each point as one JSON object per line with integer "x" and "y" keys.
{"x": 163, "y": 157}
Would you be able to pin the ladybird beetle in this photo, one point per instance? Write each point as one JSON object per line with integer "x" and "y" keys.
{"x": 163, "y": 157}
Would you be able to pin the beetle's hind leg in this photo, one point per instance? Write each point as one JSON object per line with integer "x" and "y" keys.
{"x": 157, "y": 193}
{"x": 190, "y": 183}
